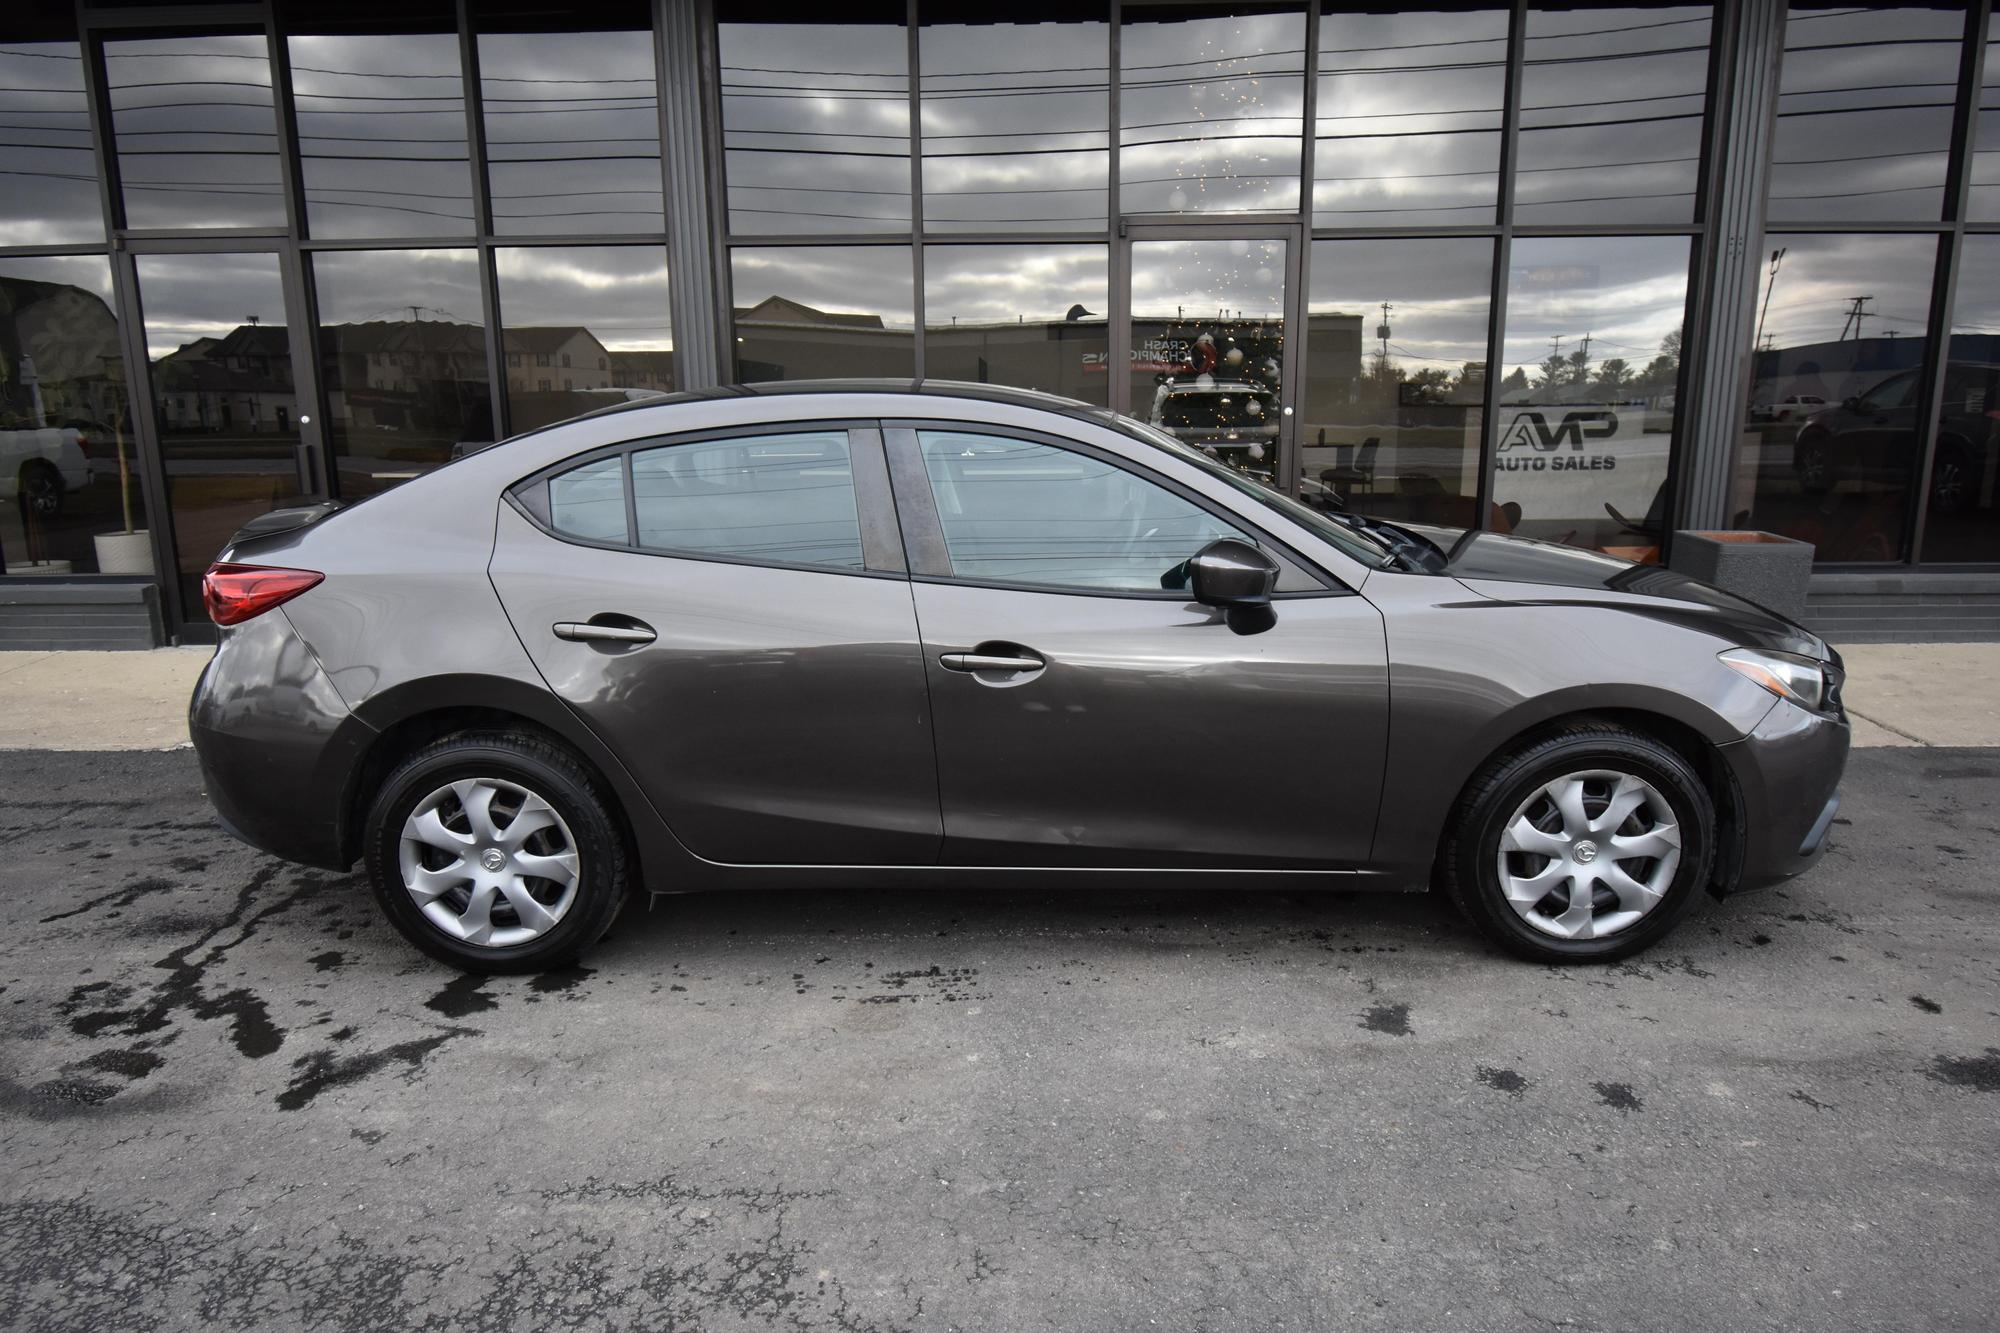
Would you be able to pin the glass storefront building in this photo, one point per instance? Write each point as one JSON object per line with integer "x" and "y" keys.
{"x": 1584, "y": 272}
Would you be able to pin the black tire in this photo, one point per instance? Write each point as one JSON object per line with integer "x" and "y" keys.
{"x": 548, "y": 771}
{"x": 1469, "y": 869}
{"x": 1950, "y": 475}
{"x": 1812, "y": 460}
{"x": 42, "y": 489}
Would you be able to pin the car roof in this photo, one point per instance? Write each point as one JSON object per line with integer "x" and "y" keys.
{"x": 925, "y": 388}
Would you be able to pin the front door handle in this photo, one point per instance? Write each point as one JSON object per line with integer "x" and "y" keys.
{"x": 989, "y": 662}
{"x": 584, "y": 632}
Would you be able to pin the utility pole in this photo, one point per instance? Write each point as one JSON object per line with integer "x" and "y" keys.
{"x": 1770, "y": 285}
{"x": 1855, "y": 315}
{"x": 1382, "y": 333}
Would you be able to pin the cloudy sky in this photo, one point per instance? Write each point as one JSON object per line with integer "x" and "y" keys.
{"x": 48, "y": 192}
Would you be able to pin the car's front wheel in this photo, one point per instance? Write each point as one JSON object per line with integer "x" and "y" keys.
{"x": 1586, "y": 846}
{"x": 496, "y": 852}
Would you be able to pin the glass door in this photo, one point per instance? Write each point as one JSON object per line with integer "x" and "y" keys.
{"x": 232, "y": 406}
{"x": 1210, "y": 319}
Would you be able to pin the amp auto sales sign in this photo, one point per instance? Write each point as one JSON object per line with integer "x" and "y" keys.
{"x": 1566, "y": 461}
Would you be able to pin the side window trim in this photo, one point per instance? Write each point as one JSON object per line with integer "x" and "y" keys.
{"x": 881, "y": 545}
{"x": 923, "y": 531}
{"x": 916, "y": 506}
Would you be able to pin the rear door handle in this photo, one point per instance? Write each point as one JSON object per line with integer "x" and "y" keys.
{"x": 583, "y": 632}
{"x": 989, "y": 662}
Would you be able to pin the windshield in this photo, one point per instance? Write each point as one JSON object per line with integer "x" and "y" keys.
{"x": 1362, "y": 546}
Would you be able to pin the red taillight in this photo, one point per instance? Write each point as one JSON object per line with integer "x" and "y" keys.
{"x": 83, "y": 445}
{"x": 235, "y": 593}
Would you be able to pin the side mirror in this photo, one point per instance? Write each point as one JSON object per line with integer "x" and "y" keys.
{"x": 1850, "y": 404}
{"x": 1237, "y": 577}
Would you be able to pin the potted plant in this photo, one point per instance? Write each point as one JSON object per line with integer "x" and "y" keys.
{"x": 130, "y": 551}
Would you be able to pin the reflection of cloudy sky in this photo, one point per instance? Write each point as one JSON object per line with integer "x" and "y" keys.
{"x": 618, "y": 292}
{"x": 1864, "y": 116}
{"x": 356, "y": 286}
{"x": 848, "y": 279}
{"x": 1203, "y": 277}
{"x": 1016, "y": 124}
{"x": 1820, "y": 274}
{"x": 206, "y": 296}
{"x": 572, "y": 131}
{"x": 1004, "y": 284}
{"x": 197, "y": 135}
{"x": 1440, "y": 289}
{"x": 816, "y": 126}
{"x": 48, "y": 173}
{"x": 382, "y": 131}
{"x": 1625, "y": 292}
{"x": 1210, "y": 112}
{"x": 1611, "y": 114}
{"x": 1409, "y": 117}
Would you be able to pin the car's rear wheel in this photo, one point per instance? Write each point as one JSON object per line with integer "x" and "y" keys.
{"x": 496, "y": 852}
{"x": 1586, "y": 846}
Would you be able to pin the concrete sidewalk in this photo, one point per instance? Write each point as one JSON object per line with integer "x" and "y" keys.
{"x": 1899, "y": 694}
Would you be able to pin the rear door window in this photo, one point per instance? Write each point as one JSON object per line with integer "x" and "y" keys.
{"x": 783, "y": 499}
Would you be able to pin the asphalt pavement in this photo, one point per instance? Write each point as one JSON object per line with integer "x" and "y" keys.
{"x": 231, "y": 1098}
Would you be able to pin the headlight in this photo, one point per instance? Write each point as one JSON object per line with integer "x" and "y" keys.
{"x": 1799, "y": 679}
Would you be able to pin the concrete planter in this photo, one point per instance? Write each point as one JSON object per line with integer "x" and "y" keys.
{"x": 1763, "y": 567}
{"x": 124, "y": 552}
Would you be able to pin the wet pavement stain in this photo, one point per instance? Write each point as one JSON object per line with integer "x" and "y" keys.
{"x": 1926, "y": 1004}
{"x": 1504, "y": 1080}
{"x": 1619, "y": 1096}
{"x": 462, "y": 997}
{"x": 119, "y": 898}
{"x": 1394, "y": 1019}
{"x": 1981, "y": 1073}
{"x": 330, "y": 961}
{"x": 131, "y": 1064}
{"x": 321, "y": 1071}
{"x": 561, "y": 980}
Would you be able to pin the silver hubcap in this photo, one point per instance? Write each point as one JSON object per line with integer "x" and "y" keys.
{"x": 489, "y": 862}
{"x": 1589, "y": 854}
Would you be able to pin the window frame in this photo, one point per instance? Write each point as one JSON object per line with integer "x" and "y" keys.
{"x": 875, "y": 512}
{"x": 929, "y": 560}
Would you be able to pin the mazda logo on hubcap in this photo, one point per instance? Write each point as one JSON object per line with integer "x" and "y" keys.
{"x": 493, "y": 859}
{"x": 1586, "y": 852}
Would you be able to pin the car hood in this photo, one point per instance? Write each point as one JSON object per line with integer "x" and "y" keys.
{"x": 1511, "y": 567}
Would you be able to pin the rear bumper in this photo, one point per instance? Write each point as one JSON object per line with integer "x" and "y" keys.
{"x": 1788, "y": 775}
{"x": 275, "y": 741}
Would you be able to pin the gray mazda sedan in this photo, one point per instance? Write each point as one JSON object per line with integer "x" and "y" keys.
{"x": 952, "y": 636}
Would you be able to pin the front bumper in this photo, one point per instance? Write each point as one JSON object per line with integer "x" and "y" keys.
{"x": 1787, "y": 776}
{"x": 275, "y": 740}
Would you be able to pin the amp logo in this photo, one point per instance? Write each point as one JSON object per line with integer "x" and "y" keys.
{"x": 1532, "y": 428}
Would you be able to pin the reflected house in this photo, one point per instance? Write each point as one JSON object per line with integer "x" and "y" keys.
{"x": 1066, "y": 356}
{"x": 643, "y": 370}
{"x": 553, "y": 357}
{"x": 240, "y": 383}
{"x": 779, "y": 338}
{"x": 409, "y": 376}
